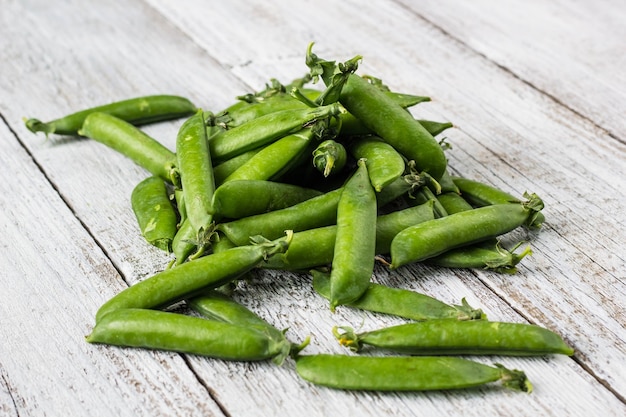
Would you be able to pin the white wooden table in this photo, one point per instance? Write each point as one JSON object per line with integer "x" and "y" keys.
{"x": 536, "y": 89}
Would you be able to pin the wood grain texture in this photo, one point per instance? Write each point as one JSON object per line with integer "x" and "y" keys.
{"x": 74, "y": 241}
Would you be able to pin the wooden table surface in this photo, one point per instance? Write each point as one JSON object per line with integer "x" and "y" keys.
{"x": 537, "y": 93}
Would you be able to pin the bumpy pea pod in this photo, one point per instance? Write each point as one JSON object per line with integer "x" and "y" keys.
{"x": 153, "y": 329}
{"x": 137, "y": 111}
{"x": 454, "y": 337}
{"x": 217, "y": 306}
{"x": 260, "y": 197}
{"x": 196, "y": 174}
{"x": 266, "y": 129}
{"x": 383, "y": 116}
{"x": 384, "y": 163}
{"x": 278, "y": 157}
{"x": 329, "y": 157}
{"x": 155, "y": 213}
{"x": 480, "y": 194}
{"x": 400, "y": 302}
{"x": 434, "y": 237}
{"x": 315, "y": 247}
{"x": 133, "y": 143}
{"x": 355, "y": 242}
{"x": 404, "y": 373}
{"x": 187, "y": 279}
{"x": 315, "y": 212}
{"x": 489, "y": 255}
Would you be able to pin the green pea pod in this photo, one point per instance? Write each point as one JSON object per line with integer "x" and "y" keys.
{"x": 425, "y": 194}
{"x": 315, "y": 212}
{"x": 432, "y": 238}
{"x": 226, "y": 168}
{"x": 217, "y": 306}
{"x": 433, "y": 127}
{"x": 400, "y": 302}
{"x": 453, "y": 202}
{"x": 480, "y": 194}
{"x": 454, "y": 337}
{"x": 276, "y": 158}
{"x": 355, "y": 242}
{"x": 315, "y": 247}
{"x": 137, "y": 111}
{"x": 243, "y": 198}
{"x": 185, "y": 243}
{"x": 153, "y": 329}
{"x": 404, "y": 373}
{"x": 329, "y": 157}
{"x": 196, "y": 174}
{"x": 155, "y": 213}
{"x": 446, "y": 184}
{"x": 133, "y": 143}
{"x": 187, "y": 279}
{"x": 384, "y": 163}
{"x": 489, "y": 255}
{"x": 266, "y": 129}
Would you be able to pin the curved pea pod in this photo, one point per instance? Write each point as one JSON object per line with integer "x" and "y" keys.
{"x": 315, "y": 247}
{"x": 355, "y": 242}
{"x": 384, "y": 163}
{"x": 243, "y": 198}
{"x": 315, "y": 212}
{"x": 329, "y": 157}
{"x": 434, "y": 237}
{"x": 404, "y": 373}
{"x": 137, "y": 111}
{"x": 276, "y": 158}
{"x": 488, "y": 255}
{"x": 266, "y": 129}
{"x": 454, "y": 337}
{"x": 185, "y": 243}
{"x": 400, "y": 302}
{"x": 155, "y": 213}
{"x": 479, "y": 194}
{"x": 185, "y": 280}
{"x": 435, "y": 128}
{"x": 196, "y": 173}
{"x": 226, "y": 168}
{"x": 153, "y": 329}
{"x": 220, "y": 307}
{"x": 133, "y": 143}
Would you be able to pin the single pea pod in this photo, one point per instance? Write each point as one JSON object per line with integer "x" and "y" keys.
{"x": 226, "y": 168}
{"x": 315, "y": 247}
{"x": 187, "y": 279}
{"x": 400, "y": 302}
{"x": 384, "y": 163}
{"x": 185, "y": 244}
{"x": 216, "y": 306}
{"x": 329, "y": 157}
{"x": 488, "y": 255}
{"x": 454, "y": 337}
{"x": 276, "y": 158}
{"x": 355, "y": 241}
{"x": 404, "y": 373}
{"x": 196, "y": 174}
{"x": 433, "y": 127}
{"x": 137, "y": 111}
{"x": 153, "y": 329}
{"x": 154, "y": 212}
{"x": 453, "y": 202}
{"x": 315, "y": 212}
{"x": 133, "y": 143}
{"x": 243, "y": 198}
{"x": 435, "y": 237}
{"x": 266, "y": 129}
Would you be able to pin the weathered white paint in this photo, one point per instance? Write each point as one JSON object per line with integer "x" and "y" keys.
{"x": 70, "y": 238}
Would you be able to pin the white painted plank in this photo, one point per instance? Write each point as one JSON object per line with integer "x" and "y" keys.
{"x": 53, "y": 278}
{"x": 574, "y": 51}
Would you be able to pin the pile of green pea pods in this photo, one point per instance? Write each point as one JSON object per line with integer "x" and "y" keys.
{"x": 319, "y": 181}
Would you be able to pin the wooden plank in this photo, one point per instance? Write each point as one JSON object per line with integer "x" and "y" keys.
{"x": 573, "y": 51}
{"x": 53, "y": 278}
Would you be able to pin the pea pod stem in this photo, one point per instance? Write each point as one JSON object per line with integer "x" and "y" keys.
{"x": 137, "y": 111}
{"x": 404, "y": 373}
{"x": 454, "y": 337}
